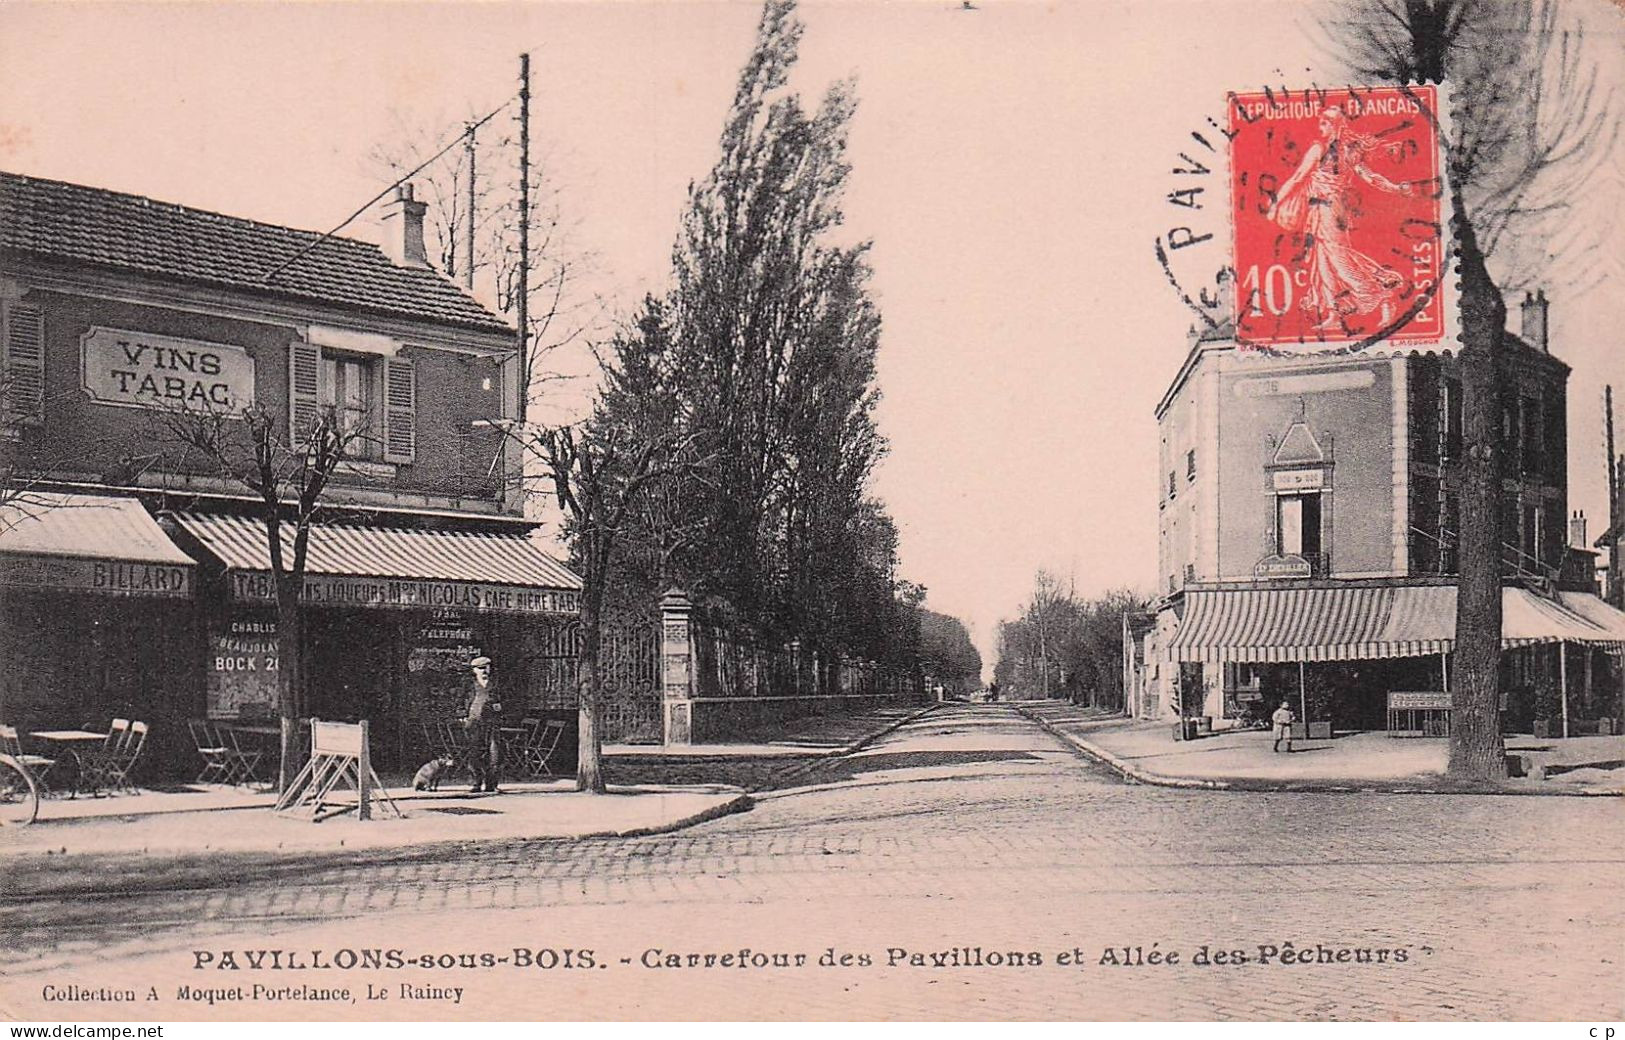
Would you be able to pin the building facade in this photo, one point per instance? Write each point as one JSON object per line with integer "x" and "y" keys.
{"x": 132, "y": 328}
{"x": 1307, "y": 549}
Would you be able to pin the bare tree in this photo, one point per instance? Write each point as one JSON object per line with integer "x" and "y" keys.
{"x": 627, "y": 461}
{"x": 1531, "y": 127}
{"x": 1041, "y": 610}
{"x": 562, "y": 316}
{"x": 289, "y": 473}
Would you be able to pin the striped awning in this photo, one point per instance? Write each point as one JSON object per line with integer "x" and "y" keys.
{"x": 89, "y": 543}
{"x": 1361, "y": 623}
{"x": 352, "y": 565}
{"x": 1604, "y": 616}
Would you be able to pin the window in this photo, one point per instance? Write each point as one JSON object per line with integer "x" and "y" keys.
{"x": 1297, "y": 525}
{"x": 1190, "y": 464}
{"x": 1452, "y": 418}
{"x": 1173, "y": 486}
{"x": 347, "y": 387}
{"x": 22, "y": 351}
{"x": 1533, "y": 430}
{"x": 1555, "y": 437}
{"x": 1531, "y": 533}
{"x": 374, "y": 395}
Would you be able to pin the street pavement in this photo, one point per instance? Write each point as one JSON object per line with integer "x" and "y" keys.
{"x": 965, "y": 866}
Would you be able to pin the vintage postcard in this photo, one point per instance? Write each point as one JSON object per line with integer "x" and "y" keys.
{"x": 888, "y": 510}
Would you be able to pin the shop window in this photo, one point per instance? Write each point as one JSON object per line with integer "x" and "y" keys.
{"x": 1297, "y": 525}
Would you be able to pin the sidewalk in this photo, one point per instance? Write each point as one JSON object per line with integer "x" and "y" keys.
{"x": 768, "y": 757}
{"x": 648, "y": 793}
{"x": 227, "y": 820}
{"x": 1146, "y": 751}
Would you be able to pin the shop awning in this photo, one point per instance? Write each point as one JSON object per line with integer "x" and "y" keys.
{"x": 88, "y": 543}
{"x": 1362, "y": 623}
{"x": 364, "y": 566}
{"x": 1600, "y": 614}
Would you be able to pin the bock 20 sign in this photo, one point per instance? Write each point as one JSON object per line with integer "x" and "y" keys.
{"x": 142, "y": 370}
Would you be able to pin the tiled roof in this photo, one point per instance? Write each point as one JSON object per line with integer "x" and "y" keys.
{"x": 53, "y": 219}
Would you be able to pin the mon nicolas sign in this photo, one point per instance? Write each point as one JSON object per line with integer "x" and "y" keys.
{"x": 143, "y": 370}
{"x": 338, "y": 590}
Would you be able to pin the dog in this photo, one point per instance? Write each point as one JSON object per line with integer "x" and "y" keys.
{"x": 428, "y": 778}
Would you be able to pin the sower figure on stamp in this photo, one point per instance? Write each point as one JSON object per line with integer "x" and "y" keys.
{"x": 1317, "y": 200}
{"x": 484, "y": 719}
{"x": 1283, "y": 727}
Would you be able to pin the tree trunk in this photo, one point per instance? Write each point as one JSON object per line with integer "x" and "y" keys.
{"x": 589, "y": 746}
{"x": 290, "y": 680}
{"x": 1476, "y": 749}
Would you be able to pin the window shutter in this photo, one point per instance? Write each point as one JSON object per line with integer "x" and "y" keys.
{"x": 400, "y": 410}
{"x": 24, "y": 390}
{"x": 304, "y": 385}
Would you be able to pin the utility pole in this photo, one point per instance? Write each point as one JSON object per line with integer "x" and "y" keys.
{"x": 468, "y": 237}
{"x": 1615, "y": 585}
{"x": 524, "y": 236}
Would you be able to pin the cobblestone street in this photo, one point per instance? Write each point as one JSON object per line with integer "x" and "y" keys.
{"x": 980, "y": 869}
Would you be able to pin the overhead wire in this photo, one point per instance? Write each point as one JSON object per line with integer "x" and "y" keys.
{"x": 471, "y": 128}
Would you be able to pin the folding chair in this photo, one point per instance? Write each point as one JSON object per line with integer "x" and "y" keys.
{"x": 96, "y": 765}
{"x": 516, "y": 743}
{"x": 123, "y": 761}
{"x": 540, "y": 750}
{"x": 243, "y": 765}
{"x": 216, "y": 756}
{"x": 37, "y": 765}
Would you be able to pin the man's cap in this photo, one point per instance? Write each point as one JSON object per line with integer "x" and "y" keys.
{"x": 479, "y": 661}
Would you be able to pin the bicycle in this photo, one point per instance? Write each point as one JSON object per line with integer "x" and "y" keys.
{"x": 19, "y": 794}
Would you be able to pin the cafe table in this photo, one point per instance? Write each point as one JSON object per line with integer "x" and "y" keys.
{"x": 77, "y": 743}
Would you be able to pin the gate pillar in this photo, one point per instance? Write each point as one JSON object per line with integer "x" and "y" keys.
{"x": 676, "y": 667}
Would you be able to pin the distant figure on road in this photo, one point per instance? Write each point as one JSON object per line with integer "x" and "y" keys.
{"x": 1283, "y": 726}
{"x": 993, "y": 693}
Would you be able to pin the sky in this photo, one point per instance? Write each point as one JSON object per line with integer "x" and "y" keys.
{"x": 1010, "y": 164}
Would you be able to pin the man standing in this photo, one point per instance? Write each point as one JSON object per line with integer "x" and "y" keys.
{"x": 484, "y": 717}
{"x": 1283, "y": 726}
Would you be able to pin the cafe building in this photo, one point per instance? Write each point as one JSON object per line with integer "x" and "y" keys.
{"x": 135, "y": 570}
{"x": 1308, "y": 512}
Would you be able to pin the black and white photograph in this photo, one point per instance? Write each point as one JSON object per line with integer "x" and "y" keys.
{"x": 812, "y": 511}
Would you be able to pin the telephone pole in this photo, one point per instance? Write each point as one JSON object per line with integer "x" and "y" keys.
{"x": 468, "y": 237}
{"x": 524, "y": 235}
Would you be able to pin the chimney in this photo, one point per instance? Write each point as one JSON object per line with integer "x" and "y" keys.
{"x": 1534, "y": 320}
{"x": 1577, "y": 530}
{"x": 402, "y": 223}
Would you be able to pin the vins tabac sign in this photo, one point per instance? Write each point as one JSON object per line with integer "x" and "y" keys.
{"x": 142, "y": 370}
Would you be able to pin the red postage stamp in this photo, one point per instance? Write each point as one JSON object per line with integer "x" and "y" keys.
{"x": 1339, "y": 216}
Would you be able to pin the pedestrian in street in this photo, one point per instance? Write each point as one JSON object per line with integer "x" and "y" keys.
{"x": 1283, "y": 726}
{"x": 482, "y": 724}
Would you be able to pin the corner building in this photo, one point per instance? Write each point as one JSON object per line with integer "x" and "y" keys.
{"x": 1307, "y": 518}
{"x": 135, "y": 578}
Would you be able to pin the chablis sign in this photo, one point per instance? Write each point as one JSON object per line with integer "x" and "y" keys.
{"x": 143, "y": 370}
